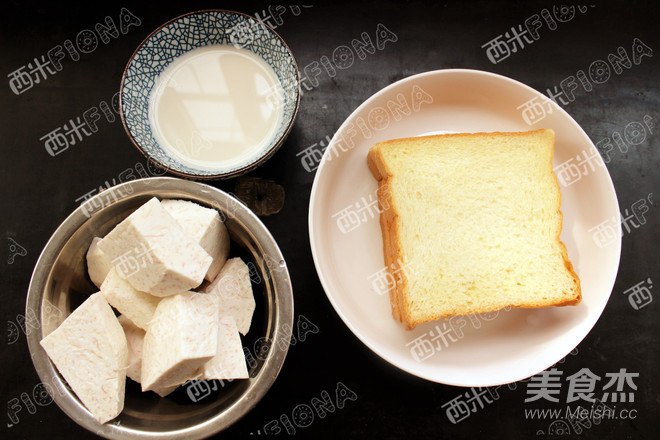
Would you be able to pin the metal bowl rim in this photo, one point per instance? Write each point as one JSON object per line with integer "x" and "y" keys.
{"x": 258, "y": 386}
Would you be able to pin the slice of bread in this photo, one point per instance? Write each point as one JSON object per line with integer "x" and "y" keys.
{"x": 471, "y": 224}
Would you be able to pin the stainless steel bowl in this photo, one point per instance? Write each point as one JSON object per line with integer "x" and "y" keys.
{"x": 60, "y": 283}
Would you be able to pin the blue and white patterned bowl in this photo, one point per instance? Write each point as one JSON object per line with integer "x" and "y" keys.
{"x": 181, "y": 35}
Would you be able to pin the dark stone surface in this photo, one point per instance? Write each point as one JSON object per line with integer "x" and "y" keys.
{"x": 38, "y": 191}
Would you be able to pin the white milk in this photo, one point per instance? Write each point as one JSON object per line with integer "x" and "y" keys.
{"x": 216, "y": 107}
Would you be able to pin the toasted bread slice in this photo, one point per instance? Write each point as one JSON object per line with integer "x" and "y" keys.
{"x": 471, "y": 224}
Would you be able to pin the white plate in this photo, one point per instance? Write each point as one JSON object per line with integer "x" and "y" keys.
{"x": 480, "y": 350}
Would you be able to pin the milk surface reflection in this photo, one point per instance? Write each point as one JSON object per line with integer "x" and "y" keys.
{"x": 216, "y": 106}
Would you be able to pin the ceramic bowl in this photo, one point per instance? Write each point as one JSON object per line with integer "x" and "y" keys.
{"x": 175, "y": 39}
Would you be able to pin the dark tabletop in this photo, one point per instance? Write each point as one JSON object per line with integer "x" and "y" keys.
{"x": 372, "y": 398}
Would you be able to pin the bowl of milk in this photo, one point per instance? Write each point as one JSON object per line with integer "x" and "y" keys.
{"x": 210, "y": 94}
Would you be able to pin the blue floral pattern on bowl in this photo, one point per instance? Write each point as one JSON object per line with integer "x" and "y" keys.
{"x": 181, "y": 35}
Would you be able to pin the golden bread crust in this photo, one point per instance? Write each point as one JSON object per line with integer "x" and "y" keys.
{"x": 393, "y": 248}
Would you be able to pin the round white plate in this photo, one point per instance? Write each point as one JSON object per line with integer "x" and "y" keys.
{"x": 479, "y": 350}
